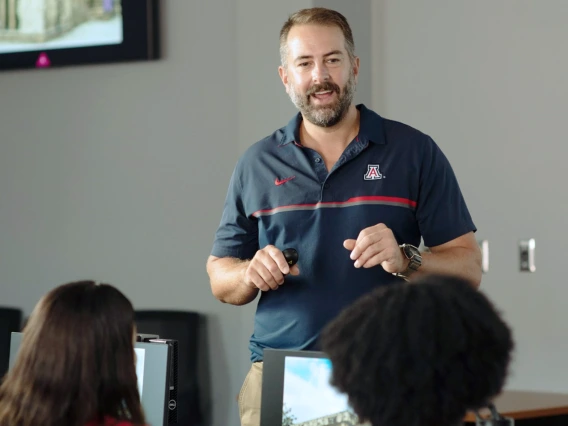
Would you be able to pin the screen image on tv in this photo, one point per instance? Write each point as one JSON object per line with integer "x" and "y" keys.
{"x": 91, "y": 24}
{"x": 140, "y": 359}
{"x": 51, "y": 33}
{"x": 308, "y": 397}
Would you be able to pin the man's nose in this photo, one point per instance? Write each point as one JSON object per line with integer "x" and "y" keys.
{"x": 320, "y": 73}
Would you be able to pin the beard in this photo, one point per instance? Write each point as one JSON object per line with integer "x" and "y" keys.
{"x": 324, "y": 115}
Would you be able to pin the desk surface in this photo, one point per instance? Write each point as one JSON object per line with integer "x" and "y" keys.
{"x": 528, "y": 405}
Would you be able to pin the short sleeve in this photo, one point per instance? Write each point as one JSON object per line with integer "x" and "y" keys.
{"x": 237, "y": 234}
{"x": 442, "y": 213}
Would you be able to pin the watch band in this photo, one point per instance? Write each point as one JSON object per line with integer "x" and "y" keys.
{"x": 415, "y": 260}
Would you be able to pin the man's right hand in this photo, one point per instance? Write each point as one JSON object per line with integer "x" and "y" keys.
{"x": 267, "y": 268}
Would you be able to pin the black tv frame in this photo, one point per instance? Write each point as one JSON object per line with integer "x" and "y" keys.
{"x": 140, "y": 21}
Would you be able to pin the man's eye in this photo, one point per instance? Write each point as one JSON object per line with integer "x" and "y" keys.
{"x": 303, "y": 64}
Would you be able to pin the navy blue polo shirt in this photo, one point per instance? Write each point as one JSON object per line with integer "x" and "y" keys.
{"x": 282, "y": 194}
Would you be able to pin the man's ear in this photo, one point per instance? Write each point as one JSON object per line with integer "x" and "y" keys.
{"x": 356, "y": 64}
{"x": 283, "y": 75}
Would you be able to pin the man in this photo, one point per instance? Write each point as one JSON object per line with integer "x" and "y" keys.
{"x": 345, "y": 188}
{"x": 453, "y": 355}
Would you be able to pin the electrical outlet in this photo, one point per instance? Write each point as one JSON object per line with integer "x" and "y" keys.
{"x": 484, "y": 247}
{"x": 526, "y": 255}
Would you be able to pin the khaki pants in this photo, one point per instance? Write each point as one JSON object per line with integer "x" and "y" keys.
{"x": 249, "y": 396}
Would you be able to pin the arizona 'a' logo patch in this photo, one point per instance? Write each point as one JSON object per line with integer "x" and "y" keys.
{"x": 373, "y": 172}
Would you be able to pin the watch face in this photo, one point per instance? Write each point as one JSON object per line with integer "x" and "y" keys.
{"x": 410, "y": 251}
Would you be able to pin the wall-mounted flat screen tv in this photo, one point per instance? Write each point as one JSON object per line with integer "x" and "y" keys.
{"x": 54, "y": 33}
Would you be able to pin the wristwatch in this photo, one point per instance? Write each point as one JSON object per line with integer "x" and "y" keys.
{"x": 413, "y": 255}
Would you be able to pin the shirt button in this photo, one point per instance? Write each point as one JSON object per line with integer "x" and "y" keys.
{"x": 327, "y": 185}
{"x": 318, "y": 160}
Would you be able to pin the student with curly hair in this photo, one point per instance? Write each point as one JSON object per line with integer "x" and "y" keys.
{"x": 419, "y": 354}
{"x": 76, "y": 363}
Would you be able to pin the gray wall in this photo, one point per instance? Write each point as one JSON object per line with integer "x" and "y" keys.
{"x": 487, "y": 80}
{"x": 118, "y": 173}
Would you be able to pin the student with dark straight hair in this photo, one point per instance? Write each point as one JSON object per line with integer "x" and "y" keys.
{"x": 76, "y": 363}
{"x": 419, "y": 354}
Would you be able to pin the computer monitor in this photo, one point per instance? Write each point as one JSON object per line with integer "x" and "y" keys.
{"x": 155, "y": 371}
{"x": 296, "y": 391}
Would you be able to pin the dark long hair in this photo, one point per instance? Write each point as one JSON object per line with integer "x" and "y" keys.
{"x": 419, "y": 354}
{"x": 76, "y": 363}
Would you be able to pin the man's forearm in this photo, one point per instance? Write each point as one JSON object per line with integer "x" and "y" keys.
{"x": 462, "y": 262}
{"x": 227, "y": 280}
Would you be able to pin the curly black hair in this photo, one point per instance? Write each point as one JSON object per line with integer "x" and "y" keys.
{"x": 419, "y": 354}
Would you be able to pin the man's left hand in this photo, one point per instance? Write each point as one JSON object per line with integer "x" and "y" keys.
{"x": 376, "y": 245}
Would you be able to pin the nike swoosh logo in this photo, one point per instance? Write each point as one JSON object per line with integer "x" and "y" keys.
{"x": 278, "y": 182}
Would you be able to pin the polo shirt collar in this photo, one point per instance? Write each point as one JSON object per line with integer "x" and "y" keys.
{"x": 370, "y": 127}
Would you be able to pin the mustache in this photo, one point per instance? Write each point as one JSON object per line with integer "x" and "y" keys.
{"x": 324, "y": 87}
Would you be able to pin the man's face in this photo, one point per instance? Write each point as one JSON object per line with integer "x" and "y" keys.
{"x": 319, "y": 77}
